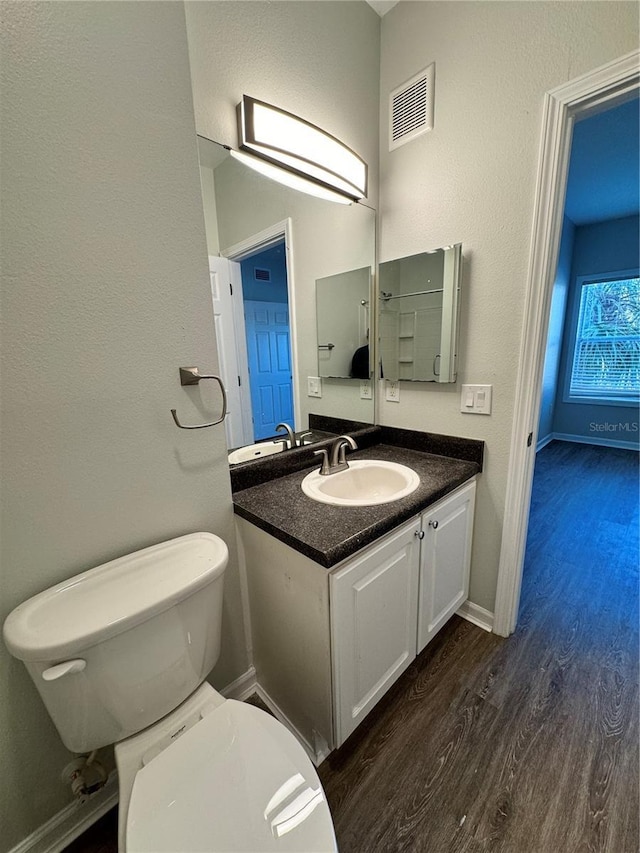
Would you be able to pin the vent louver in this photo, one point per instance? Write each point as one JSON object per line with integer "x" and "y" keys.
{"x": 411, "y": 108}
{"x": 261, "y": 274}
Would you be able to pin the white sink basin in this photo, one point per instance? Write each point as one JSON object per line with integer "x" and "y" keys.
{"x": 365, "y": 483}
{"x": 256, "y": 451}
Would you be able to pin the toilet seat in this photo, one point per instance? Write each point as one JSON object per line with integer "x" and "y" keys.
{"x": 236, "y": 781}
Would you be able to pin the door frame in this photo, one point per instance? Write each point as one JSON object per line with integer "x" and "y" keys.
{"x": 238, "y": 252}
{"x": 586, "y": 95}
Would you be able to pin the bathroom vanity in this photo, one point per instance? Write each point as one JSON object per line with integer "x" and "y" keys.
{"x": 343, "y": 599}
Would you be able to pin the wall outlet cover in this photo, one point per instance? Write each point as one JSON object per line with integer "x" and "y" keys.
{"x": 392, "y": 392}
{"x": 366, "y": 391}
{"x": 314, "y": 386}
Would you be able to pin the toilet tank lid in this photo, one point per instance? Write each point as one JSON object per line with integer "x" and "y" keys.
{"x": 111, "y": 598}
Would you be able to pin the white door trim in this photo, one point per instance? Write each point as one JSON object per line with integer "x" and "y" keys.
{"x": 591, "y": 93}
{"x": 273, "y": 234}
{"x": 223, "y": 272}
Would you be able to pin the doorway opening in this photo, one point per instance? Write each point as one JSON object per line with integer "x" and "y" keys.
{"x": 606, "y": 87}
{"x": 584, "y": 502}
{"x": 592, "y": 360}
{"x": 253, "y": 299}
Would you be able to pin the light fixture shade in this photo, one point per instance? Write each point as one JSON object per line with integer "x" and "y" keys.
{"x": 296, "y": 145}
{"x": 289, "y": 179}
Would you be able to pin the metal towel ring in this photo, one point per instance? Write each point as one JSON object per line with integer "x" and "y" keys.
{"x": 192, "y": 376}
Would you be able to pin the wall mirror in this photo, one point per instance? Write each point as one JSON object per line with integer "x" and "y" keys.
{"x": 268, "y": 246}
{"x": 418, "y": 304}
{"x": 343, "y": 322}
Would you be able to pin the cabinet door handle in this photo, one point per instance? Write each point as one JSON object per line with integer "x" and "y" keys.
{"x": 433, "y": 524}
{"x": 419, "y": 534}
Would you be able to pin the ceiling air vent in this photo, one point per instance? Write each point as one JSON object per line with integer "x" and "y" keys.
{"x": 411, "y": 108}
{"x": 261, "y": 274}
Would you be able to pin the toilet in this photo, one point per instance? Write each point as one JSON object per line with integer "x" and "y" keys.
{"x": 119, "y": 655}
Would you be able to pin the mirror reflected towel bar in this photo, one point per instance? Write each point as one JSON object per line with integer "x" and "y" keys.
{"x": 385, "y": 297}
{"x": 192, "y": 376}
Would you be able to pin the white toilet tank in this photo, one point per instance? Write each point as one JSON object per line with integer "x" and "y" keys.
{"x": 117, "y": 647}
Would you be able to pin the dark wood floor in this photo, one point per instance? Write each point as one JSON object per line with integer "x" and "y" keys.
{"x": 528, "y": 745}
{"x": 525, "y": 745}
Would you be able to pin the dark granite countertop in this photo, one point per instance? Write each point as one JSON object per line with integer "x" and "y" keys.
{"x": 328, "y": 534}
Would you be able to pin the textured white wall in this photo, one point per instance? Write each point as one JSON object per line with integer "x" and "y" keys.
{"x": 550, "y": 376}
{"x": 209, "y": 207}
{"x": 319, "y": 60}
{"x": 105, "y": 294}
{"x": 472, "y": 180}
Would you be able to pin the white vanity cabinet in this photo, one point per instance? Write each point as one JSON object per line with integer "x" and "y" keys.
{"x": 374, "y": 611}
{"x": 387, "y": 604}
{"x": 445, "y": 560}
{"x": 329, "y": 643}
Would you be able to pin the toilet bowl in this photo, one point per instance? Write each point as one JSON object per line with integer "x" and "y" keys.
{"x": 119, "y": 655}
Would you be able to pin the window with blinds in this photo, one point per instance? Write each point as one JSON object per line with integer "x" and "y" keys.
{"x": 606, "y": 355}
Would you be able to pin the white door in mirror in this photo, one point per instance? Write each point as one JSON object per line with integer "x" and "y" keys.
{"x": 366, "y": 482}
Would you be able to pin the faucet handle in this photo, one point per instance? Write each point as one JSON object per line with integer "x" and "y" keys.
{"x": 324, "y": 468}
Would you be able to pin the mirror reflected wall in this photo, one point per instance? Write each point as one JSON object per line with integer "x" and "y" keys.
{"x": 343, "y": 312}
{"x": 276, "y": 246}
{"x": 418, "y": 303}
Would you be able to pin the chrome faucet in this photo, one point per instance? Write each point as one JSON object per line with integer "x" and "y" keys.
{"x": 290, "y": 434}
{"x": 335, "y": 460}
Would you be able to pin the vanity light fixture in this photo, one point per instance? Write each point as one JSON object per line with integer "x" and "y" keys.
{"x": 297, "y": 153}
{"x": 276, "y": 173}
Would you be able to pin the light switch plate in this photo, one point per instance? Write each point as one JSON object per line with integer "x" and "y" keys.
{"x": 476, "y": 399}
{"x": 392, "y": 392}
{"x": 314, "y": 386}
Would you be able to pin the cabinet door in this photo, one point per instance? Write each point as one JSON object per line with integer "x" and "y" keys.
{"x": 445, "y": 559}
{"x": 374, "y": 608}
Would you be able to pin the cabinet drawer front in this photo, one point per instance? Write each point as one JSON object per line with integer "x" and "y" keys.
{"x": 374, "y": 605}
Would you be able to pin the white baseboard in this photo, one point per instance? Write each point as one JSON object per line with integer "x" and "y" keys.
{"x": 242, "y": 687}
{"x": 247, "y": 684}
{"x": 542, "y": 442}
{"x": 316, "y": 752}
{"x": 476, "y": 614}
{"x": 65, "y": 826}
{"x": 600, "y": 441}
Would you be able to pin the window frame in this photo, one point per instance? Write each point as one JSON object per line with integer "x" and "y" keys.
{"x": 572, "y": 334}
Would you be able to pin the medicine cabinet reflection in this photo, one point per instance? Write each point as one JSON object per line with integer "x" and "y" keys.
{"x": 419, "y": 299}
{"x": 343, "y": 320}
